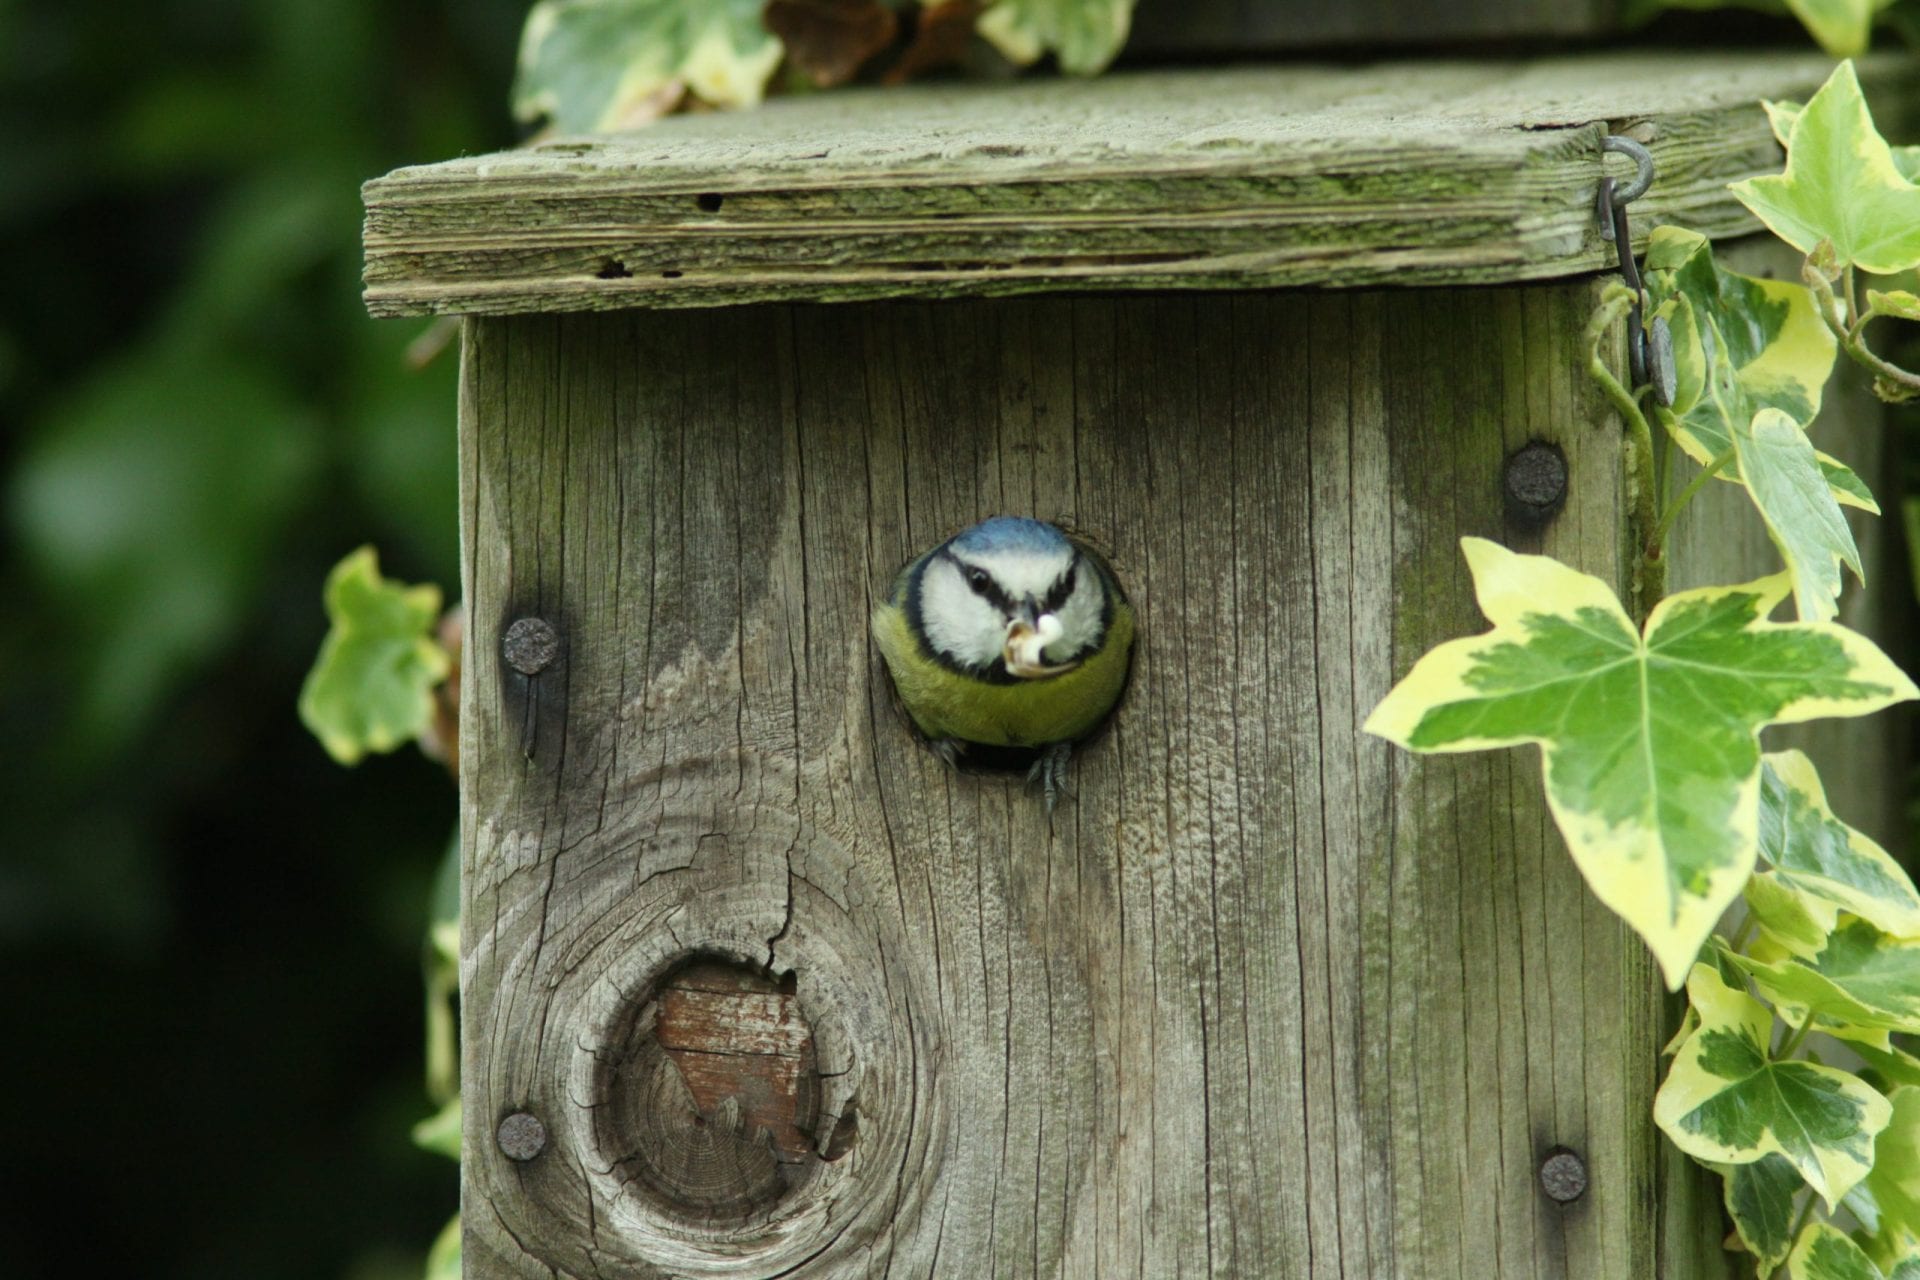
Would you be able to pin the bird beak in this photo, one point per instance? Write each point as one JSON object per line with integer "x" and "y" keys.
{"x": 1026, "y": 643}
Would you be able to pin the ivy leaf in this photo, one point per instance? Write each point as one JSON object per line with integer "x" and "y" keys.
{"x": 1648, "y": 742}
{"x": 371, "y": 688}
{"x": 1797, "y": 921}
{"x": 1725, "y": 1102}
{"x": 1086, "y": 34}
{"x": 1886, "y": 1067}
{"x": 1825, "y": 1253}
{"x": 1841, "y": 184}
{"x": 1842, "y": 27}
{"x": 1741, "y": 344}
{"x": 1781, "y": 116}
{"x": 1887, "y": 1201}
{"x": 1863, "y": 977}
{"x": 443, "y": 1260}
{"x": 1759, "y": 1198}
{"x": 1803, "y": 519}
{"x": 1815, "y": 852}
{"x": 1895, "y": 302}
{"x": 598, "y": 64}
{"x": 440, "y": 1132}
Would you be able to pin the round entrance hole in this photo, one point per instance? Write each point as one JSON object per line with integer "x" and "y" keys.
{"x": 711, "y": 1106}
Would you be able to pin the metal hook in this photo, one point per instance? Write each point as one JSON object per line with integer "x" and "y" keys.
{"x": 1642, "y": 168}
{"x": 1649, "y": 353}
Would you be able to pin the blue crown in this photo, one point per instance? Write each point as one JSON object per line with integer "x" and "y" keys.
{"x": 1010, "y": 533}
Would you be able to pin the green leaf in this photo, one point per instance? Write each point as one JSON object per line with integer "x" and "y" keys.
{"x": 1887, "y": 1201}
{"x": 1086, "y": 34}
{"x": 1887, "y": 1067}
{"x": 1759, "y": 1198}
{"x": 443, "y": 1260}
{"x": 440, "y": 1132}
{"x": 1863, "y": 977}
{"x": 1815, "y": 852}
{"x": 1842, "y": 27}
{"x": 1648, "y": 743}
{"x": 1841, "y": 184}
{"x": 1894, "y": 302}
{"x": 371, "y": 688}
{"x": 1792, "y": 495}
{"x": 1781, "y": 116}
{"x": 595, "y": 64}
{"x": 1798, "y": 921}
{"x": 1825, "y": 1253}
{"x": 1741, "y": 344}
{"x": 149, "y": 507}
{"x": 1725, "y": 1102}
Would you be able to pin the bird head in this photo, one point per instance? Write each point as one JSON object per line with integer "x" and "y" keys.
{"x": 1015, "y": 595}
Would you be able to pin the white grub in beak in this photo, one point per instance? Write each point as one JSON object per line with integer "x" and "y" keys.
{"x": 1026, "y": 644}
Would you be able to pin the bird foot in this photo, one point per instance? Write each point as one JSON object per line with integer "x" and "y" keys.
{"x": 1050, "y": 771}
{"x": 948, "y": 749}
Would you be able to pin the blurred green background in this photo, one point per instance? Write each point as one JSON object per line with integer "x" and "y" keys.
{"x": 211, "y": 934}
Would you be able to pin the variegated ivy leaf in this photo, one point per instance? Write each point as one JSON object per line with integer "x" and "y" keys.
{"x": 1887, "y": 1068}
{"x": 1887, "y": 1201}
{"x": 1825, "y": 1253}
{"x": 1740, "y": 344}
{"x": 1647, "y": 741}
{"x": 1895, "y": 302}
{"x": 1759, "y": 1198}
{"x": 371, "y": 687}
{"x": 1783, "y": 476}
{"x": 1724, "y": 1101}
{"x": 1781, "y": 116}
{"x": 1085, "y": 34}
{"x": 1863, "y": 977}
{"x": 1797, "y": 921}
{"x": 1840, "y": 185}
{"x": 598, "y": 64}
{"x": 1815, "y": 852}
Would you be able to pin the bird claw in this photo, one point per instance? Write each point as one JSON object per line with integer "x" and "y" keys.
{"x": 1050, "y": 771}
{"x": 948, "y": 749}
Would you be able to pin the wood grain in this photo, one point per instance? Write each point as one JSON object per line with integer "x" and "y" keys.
{"x": 1416, "y": 173}
{"x": 1265, "y": 999}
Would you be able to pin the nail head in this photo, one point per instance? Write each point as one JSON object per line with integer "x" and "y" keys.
{"x": 521, "y": 1136}
{"x": 1563, "y": 1176}
{"x": 1536, "y": 482}
{"x": 530, "y": 645}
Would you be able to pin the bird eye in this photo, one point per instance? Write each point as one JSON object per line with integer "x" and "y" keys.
{"x": 978, "y": 580}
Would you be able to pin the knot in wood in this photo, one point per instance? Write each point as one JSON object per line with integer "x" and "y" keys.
{"x": 718, "y": 1106}
{"x": 530, "y": 645}
{"x": 1563, "y": 1176}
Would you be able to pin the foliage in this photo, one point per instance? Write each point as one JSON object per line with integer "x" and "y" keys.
{"x": 371, "y": 688}
{"x": 1648, "y": 733}
{"x": 608, "y": 64}
{"x": 201, "y": 420}
{"x": 1843, "y": 27}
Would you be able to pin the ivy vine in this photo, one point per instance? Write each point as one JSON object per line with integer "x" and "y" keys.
{"x": 1785, "y": 1079}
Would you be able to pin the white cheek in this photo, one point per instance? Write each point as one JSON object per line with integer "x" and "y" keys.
{"x": 958, "y": 622}
{"x": 1079, "y": 617}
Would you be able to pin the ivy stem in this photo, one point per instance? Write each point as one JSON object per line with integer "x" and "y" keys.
{"x": 1643, "y": 479}
{"x": 1847, "y": 329}
{"x": 1694, "y": 486}
{"x": 1793, "y": 1041}
{"x": 1740, "y": 934}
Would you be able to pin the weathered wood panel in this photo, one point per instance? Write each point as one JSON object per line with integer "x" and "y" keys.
{"x": 1265, "y": 999}
{"x": 1417, "y": 173}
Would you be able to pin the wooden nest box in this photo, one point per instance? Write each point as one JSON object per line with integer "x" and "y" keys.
{"x": 754, "y": 985}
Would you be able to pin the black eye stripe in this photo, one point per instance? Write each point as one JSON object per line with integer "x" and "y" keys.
{"x": 1061, "y": 590}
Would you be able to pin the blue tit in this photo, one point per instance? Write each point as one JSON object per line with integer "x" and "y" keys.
{"x": 1008, "y": 634}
